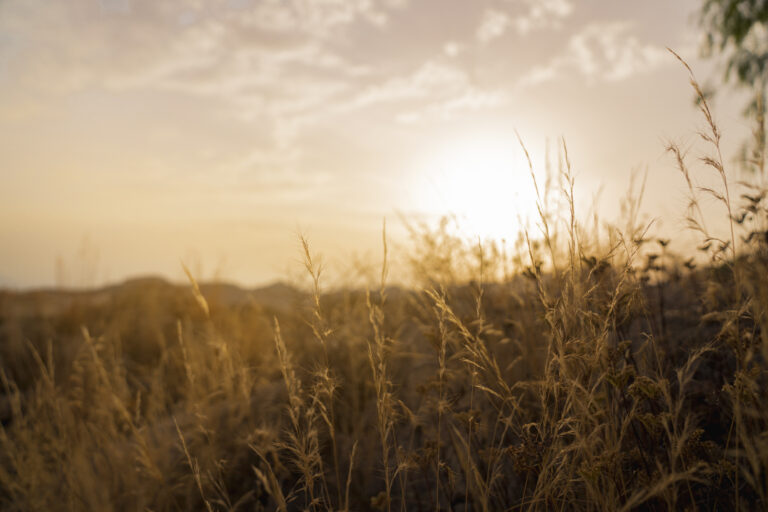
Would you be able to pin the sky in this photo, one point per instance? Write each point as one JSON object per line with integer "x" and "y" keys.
{"x": 138, "y": 134}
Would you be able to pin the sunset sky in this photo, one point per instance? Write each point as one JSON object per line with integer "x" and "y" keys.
{"x": 139, "y": 133}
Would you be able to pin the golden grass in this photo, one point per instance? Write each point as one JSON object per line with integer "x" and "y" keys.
{"x": 580, "y": 372}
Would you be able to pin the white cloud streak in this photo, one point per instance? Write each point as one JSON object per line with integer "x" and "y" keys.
{"x": 530, "y": 15}
{"x": 601, "y": 52}
{"x": 493, "y": 25}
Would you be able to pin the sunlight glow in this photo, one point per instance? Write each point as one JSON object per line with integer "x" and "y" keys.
{"x": 485, "y": 182}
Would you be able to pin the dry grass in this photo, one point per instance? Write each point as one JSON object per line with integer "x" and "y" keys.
{"x": 588, "y": 369}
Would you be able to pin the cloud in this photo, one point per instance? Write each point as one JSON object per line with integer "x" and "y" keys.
{"x": 268, "y": 70}
{"x": 601, "y": 52}
{"x": 437, "y": 89}
{"x": 274, "y": 61}
{"x": 532, "y": 15}
{"x": 524, "y": 16}
{"x": 452, "y": 48}
{"x": 493, "y": 24}
{"x": 209, "y": 47}
{"x": 429, "y": 80}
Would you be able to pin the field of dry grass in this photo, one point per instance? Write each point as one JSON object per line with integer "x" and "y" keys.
{"x": 585, "y": 370}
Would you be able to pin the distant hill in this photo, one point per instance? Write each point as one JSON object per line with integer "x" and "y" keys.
{"x": 278, "y": 296}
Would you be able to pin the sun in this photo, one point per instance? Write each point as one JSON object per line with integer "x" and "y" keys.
{"x": 484, "y": 181}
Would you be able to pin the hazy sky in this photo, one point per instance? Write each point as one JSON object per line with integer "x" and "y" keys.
{"x": 137, "y": 133}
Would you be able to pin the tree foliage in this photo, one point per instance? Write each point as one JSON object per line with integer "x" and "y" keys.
{"x": 738, "y": 29}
